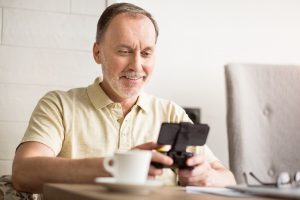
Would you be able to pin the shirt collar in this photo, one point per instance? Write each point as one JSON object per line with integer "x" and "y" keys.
{"x": 100, "y": 100}
{"x": 144, "y": 101}
{"x": 97, "y": 96}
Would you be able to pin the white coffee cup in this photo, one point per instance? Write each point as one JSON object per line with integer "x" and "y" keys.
{"x": 129, "y": 167}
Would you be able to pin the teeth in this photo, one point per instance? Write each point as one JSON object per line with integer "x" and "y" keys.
{"x": 133, "y": 75}
{"x": 133, "y": 78}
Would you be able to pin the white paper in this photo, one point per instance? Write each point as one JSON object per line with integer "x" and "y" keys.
{"x": 288, "y": 192}
{"x": 215, "y": 190}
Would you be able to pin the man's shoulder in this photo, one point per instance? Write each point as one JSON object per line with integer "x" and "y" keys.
{"x": 65, "y": 96}
{"x": 71, "y": 93}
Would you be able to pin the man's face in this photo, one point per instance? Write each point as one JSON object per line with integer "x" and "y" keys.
{"x": 126, "y": 54}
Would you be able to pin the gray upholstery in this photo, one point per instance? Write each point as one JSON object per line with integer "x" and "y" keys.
{"x": 263, "y": 119}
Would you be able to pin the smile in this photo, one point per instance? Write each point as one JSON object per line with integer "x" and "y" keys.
{"x": 136, "y": 78}
{"x": 133, "y": 78}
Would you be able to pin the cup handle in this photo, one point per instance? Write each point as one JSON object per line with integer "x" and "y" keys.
{"x": 109, "y": 167}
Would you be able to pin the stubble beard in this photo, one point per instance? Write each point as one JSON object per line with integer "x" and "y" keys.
{"x": 115, "y": 82}
{"x": 125, "y": 92}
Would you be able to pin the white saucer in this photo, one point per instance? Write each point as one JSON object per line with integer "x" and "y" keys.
{"x": 111, "y": 184}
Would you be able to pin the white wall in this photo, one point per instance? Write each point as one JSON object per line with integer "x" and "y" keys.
{"x": 44, "y": 45}
{"x": 198, "y": 37}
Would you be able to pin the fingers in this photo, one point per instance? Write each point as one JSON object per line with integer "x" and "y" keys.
{"x": 161, "y": 158}
{"x": 147, "y": 146}
{"x": 156, "y": 156}
{"x": 193, "y": 177}
{"x": 198, "y": 171}
{"x": 195, "y": 160}
{"x": 197, "y": 176}
{"x": 154, "y": 171}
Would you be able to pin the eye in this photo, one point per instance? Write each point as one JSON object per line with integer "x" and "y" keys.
{"x": 146, "y": 53}
{"x": 123, "y": 51}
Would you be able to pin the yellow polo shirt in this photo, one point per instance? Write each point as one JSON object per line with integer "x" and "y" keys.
{"x": 85, "y": 122}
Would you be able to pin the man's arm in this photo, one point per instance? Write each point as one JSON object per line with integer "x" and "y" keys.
{"x": 35, "y": 164}
{"x": 212, "y": 174}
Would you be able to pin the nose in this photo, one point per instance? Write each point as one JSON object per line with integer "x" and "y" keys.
{"x": 136, "y": 62}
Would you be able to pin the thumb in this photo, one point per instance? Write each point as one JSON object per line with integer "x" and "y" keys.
{"x": 147, "y": 146}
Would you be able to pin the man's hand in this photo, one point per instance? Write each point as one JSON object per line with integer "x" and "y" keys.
{"x": 156, "y": 157}
{"x": 205, "y": 174}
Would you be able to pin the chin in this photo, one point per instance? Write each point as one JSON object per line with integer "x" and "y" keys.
{"x": 130, "y": 94}
{"x": 131, "y": 91}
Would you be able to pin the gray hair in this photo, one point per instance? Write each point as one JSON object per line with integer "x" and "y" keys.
{"x": 113, "y": 10}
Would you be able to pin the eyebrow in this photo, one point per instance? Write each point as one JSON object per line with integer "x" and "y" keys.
{"x": 128, "y": 47}
{"x": 123, "y": 46}
{"x": 148, "y": 48}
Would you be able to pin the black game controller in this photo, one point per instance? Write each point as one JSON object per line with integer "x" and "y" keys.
{"x": 175, "y": 138}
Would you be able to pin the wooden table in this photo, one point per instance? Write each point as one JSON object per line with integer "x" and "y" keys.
{"x": 97, "y": 192}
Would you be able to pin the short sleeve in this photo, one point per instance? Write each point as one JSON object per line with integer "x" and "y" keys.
{"x": 178, "y": 114}
{"x": 206, "y": 152}
{"x": 46, "y": 123}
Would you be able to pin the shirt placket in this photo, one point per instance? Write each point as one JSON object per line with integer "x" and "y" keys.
{"x": 122, "y": 125}
{"x": 125, "y": 139}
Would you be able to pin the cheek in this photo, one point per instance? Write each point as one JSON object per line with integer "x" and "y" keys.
{"x": 148, "y": 70}
{"x": 115, "y": 65}
{"x": 148, "y": 67}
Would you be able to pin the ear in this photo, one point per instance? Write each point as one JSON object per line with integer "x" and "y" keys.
{"x": 96, "y": 53}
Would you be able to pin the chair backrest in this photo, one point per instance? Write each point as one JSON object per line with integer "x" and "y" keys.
{"x": 263, "y": 119}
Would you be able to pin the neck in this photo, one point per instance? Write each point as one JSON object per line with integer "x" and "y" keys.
{"x": 126, "y": 103}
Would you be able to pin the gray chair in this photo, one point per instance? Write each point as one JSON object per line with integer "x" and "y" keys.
{"x": 263, "y": 119}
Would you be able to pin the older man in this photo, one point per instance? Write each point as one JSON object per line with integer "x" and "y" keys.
{"x": 70, "y": 133}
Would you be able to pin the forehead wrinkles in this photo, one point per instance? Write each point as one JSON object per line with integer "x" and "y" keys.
{"x": 131, "y": 29}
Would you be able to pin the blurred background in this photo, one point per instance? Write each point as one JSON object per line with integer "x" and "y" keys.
{"x": 46, "y": 45}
